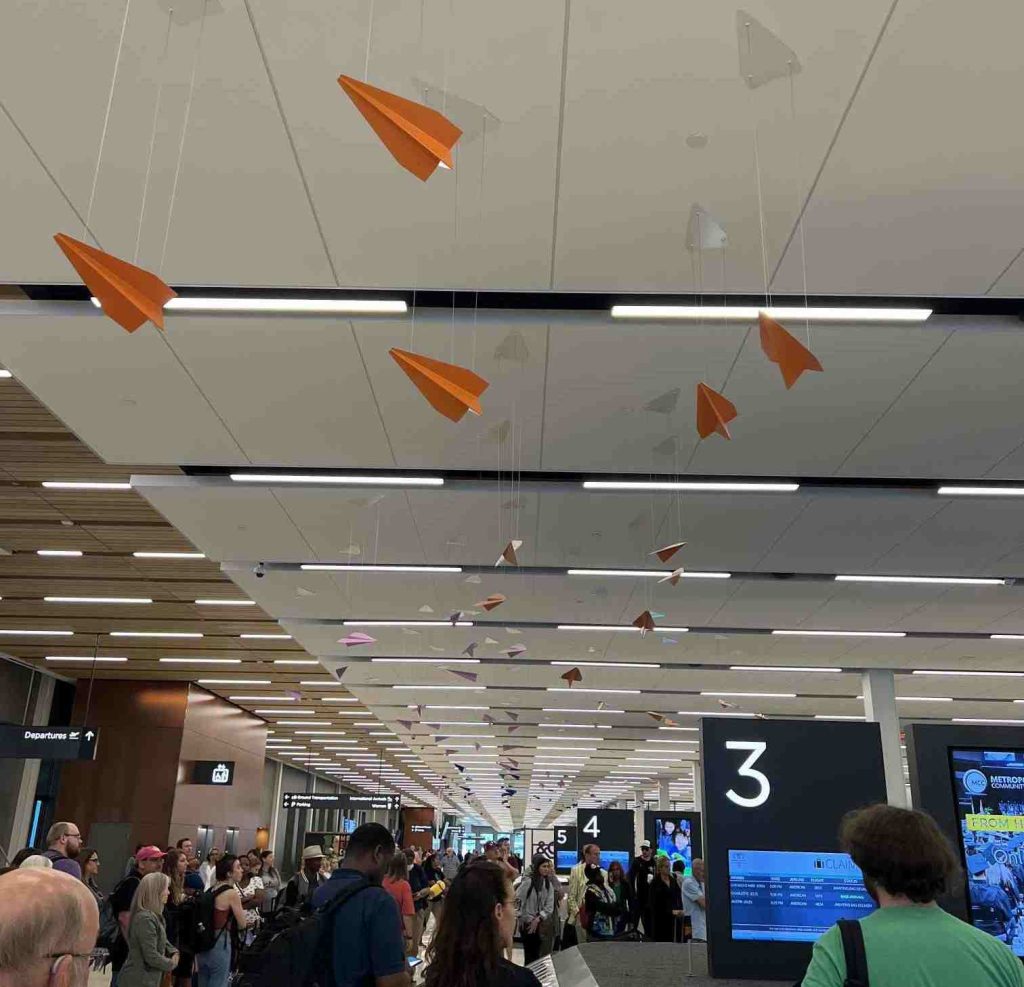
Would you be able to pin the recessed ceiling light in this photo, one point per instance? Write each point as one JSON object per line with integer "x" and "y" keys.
{"x": 408, "y": 623}
{"x": 939, "y": 671}
{"x": 925, "y": 580}
{"x": 83, "y": 658}
{"x": 801, "y": 633}
{"x": 84, "y": 485}
{"x": 753, "y": 695}
{"x": 177, "y": 634}
{"x": 661, "y": 740}
{"x": 353, "y": 481}
{"x": 925, "y": 699}
{"x": 647, "y": 573}
{"x": 1006, "y": 637}
{"x": 321, "y": 683}
{"x": 97, "y": 599}
{"x": 966, "y": 719}
{"x": 836, "y": 716}
{"x": 168, "y": 555}
{"x": 17, "y": 632}
{"x": 742, "y": 312}
{"x": 291, "y": 712}
{"x": 225, "y": 603}
{"x": 562, "y": 709}
{"x": 981, "y": 492}
{"x": 262, "y": 699}
{"x": 425, "y": 661}
{"x": 712, "y": 712}
{"x": 295, "y": 661}
{"x": 339, "y": 699}
{"x": 781, "y": 668}
{"x": 607, "y": 664}
{"x": 458, "y": 707}
{"x": 352, "y": 712}
{"x": 284, "y": 306}
{"x": 342, "y": 567}
{"x": 60, "y": 553}
{"x": 446, "y": 688}
{"x": 201, "y": 661}
{"x": 266, "y": 637}
{"x": 606, "y": 692}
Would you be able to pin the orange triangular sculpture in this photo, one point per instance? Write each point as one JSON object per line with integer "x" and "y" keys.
{"x": 573, "y": 675}
{"x": 713, "y": 412}
{"x": 451, "y": 390}
{"x": 645, "y": 622}
{"x": 418, "y": 137}
{"x": 668, "y": 551}
{"x": 128, "y": 294}
{"x": 786, "y": 350}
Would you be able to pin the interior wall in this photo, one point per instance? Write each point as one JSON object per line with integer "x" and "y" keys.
{"x": 132, "y": 780}
{"x": 419, "y": 816}
{"x": 216, "y": 730}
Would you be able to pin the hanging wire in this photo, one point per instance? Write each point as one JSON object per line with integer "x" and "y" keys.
{"x": 799, "y": 206}
{"x": 106, "y": 121}
{"x": 152, "y": 134}
{"x": 369, "y": 35}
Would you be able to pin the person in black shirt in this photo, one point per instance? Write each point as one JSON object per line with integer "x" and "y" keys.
{"x": 641, "y": 873}
{"x": 420, "y": 892}
{"x": 478, "y": 925}
{"x": 665, "y": 904}
{"x": 148, "y": 860}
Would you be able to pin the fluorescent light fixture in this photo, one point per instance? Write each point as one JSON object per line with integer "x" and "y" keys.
{"x": 754, "y": 695}
{"x": 321, "y": 733}
{"x": 60, "y": 553}
{"x": 607, "y": 664}
{"x": 333, "y": 567}
{"x": 226, "y": 603}
{"x": 846, "y": 313}
{"x": 940, "y": 671}
{"x": 262, "y": 699}
{"x": 426, "y": 661}
{"x": 713, "y": 712}
{"x": 351, "y": 481}
{"x": 97, "y": 599}
{"x": 1006, "y": 637}
{"x": 168, "y": 555}
{"x": 661, "y": 740}
{"x": 295, "y": 661}
{"x": 971, "y": 719}
{"x": 464, "y": 707}
{"x": 620, "y": 627}
{"x": 339, "y": 699}
{"x": 981, "y": 492}
{"x": 176, "y": 634}
{"x": 352, "y": 712}
{"x": 284, "y": 306}
{"x": 647, "y": 573}
{"x": 836, "y": 716}
{"x": 84, "y": 485}
{"x": 17, "y": 632}
{"x": 605, "y": 692}
{"x": 266, "y": 637}
{"x": 448, "y": 688}
{"x": 291, "y": 712}
{"x": 408, "y": 623}
{"x": 562, "y": 709}
{"x": 780, "y": 668}
{"x": 5, "y": 374}
{"x": 924, "y": 580}
{"x": 924, "y": 699}
{"x": 800, "y": 633}
{"x": 659, "y": 750}
{"x": 82, "y": 658}
{"x": 201, "y": 661}
{"x": 233, "y": 681}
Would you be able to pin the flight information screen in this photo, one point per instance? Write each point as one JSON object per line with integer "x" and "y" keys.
{"x": 792, "y": 895}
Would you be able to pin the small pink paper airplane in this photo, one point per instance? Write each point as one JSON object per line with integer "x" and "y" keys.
{"x": 357, "y": 638}
{"x": 492, "y": 601}
{"x": 645, "y": 622}
{"x": 673, "y": 577}
{"x": 508, "y": 554}
{"x": 668, "y": 551}
{"x": 515, "y": 650}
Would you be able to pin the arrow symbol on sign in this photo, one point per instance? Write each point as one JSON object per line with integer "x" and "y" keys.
{"x": 89, "y": 734}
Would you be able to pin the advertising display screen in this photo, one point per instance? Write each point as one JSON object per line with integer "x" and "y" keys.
{"x": 988, "y": 787}
{"x": 793, "y": 895}
{"x": 675, "y": 833}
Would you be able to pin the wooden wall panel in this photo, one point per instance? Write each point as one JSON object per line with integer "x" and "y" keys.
{"x": 420, "y": 816}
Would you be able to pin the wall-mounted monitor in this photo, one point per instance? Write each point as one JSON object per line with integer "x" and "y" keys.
{"x": 676, "y": 833}
{"x": 793, "y": 895}
{"x": 988, "y": 788}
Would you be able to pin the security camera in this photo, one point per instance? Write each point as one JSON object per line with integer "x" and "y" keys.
{"x": 259, "y": 571}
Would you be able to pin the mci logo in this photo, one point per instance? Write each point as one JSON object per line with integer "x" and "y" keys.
{"x": 975, "y": 782}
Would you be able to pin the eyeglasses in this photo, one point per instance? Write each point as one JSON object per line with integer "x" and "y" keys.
{"x": 73, "y": 836}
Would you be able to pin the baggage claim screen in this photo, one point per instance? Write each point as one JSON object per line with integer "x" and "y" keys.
{"x": 793, "y": 896}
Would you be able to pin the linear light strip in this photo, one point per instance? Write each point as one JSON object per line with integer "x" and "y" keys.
{"x": 175, "y": 634}
{"x": 283, "y": 306}
{"x": 98, "y": 599}
{"x": 692, "y": 486}
{"x": 85, "y": 485}
{"x": 201, "y": 661}
{"x": 967, "y": 491}
{"x": 225, "y": 603}
{"x": 648, "y": 573}
{"x": 17, "y": 632}
{"x": 619, "y": 627}
{"x": 59, "y": 553}
{"x": 408, "y": 623}
{"x": 168, "y": 555}
{"x": 965, "y": 672}
{"x": 924, "y": 580}
{"x": 341, "y": 567}
{"x": 603, "y": 664}
{"x": 82, "y": 658}
{"x": 781, "y": 668}
{"x": 800, "y": 633}
{"x": 353, "y": 480}
{"x": 740, "y": 312}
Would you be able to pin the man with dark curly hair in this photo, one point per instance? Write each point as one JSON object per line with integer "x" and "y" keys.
{"x": 909, "y": 940}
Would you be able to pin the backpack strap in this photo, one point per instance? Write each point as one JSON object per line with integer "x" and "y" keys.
{"x": 854, "y": 953}
{"x": 351, "y": 889}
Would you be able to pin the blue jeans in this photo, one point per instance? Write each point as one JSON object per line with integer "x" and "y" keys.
{"x": 215, "y": 964}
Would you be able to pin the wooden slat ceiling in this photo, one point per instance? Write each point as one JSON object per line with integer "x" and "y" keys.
{"x": 108, "y": 526}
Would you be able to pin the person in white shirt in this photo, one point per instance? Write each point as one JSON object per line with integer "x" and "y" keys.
{"x": 695, "y": 902}
{"x": 207, "y": 869}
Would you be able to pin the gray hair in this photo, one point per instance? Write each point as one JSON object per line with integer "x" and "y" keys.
{"x": 41, "y": 912}
{"x": 149, "y": 895}
{"x": 36, "y": 860}
{"x": 56, "y": 831}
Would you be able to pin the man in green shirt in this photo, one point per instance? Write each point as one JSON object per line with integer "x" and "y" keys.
{"x": 909, "y": 940}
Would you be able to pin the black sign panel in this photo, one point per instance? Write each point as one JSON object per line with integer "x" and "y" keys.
{"x": 611, "y": 830}
{"x": 565, "y": 848}
{"x": 323, "y": 800}
{"x": 220, "y": 773}
{"x": 677, "y": 833}
{"x": 775, "y": 792}
{"x": 49, "y": 743}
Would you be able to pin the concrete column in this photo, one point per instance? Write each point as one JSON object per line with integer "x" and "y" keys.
{"x": 38, "y": 716}
{"x": 638, "y": 819}
{"x": 664, "y": 800}
{"x": 880, "y": 707}
{"x": 698, "y": 792}
{"x": 276, "y": 808}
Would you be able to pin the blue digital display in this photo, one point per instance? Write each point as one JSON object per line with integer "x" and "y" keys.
{"x": 793, "y": 895}
{"x": 622, "y": 856}
{"x": 566, "y": 859}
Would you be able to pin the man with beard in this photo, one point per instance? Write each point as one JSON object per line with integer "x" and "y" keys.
{"x": 907, "y": 863}
{"x": 641, "y": 873}
{"x": 63, "y": 844}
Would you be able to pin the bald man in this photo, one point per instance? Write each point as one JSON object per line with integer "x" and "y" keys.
{"x": 48, "y": 927}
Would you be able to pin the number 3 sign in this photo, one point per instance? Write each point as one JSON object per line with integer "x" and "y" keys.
{"x": 747, "y": 770}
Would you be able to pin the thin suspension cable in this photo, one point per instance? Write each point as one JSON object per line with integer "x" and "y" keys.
{"x": 369, "y": 36}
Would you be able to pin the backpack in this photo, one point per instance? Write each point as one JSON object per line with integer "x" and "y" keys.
{"x": 295, "y": 948}
{"x": 853, "y": 952}
{"x": 196, "y": 933}
{"x": 110, "y": 928}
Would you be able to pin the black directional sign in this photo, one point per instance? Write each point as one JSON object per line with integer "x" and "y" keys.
{"x": 317, "y": 800}
{"x": 49, "y": 743}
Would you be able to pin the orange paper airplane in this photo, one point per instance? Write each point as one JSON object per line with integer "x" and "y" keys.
{"x": 673, "y": 577}
{"x": 509, "y": 553}
{"x": 494, "y": 600}
{"x": 418, "y": 137}
{"x": 450, "y": 390}
{"x": 128, "y": 294}
{"x": 668, "y": 551}
{"x": 645, "y": 622}
{"x": 713, "y": 412}
{"x": 786, "y": 350}
{"x": 573, "y": 675}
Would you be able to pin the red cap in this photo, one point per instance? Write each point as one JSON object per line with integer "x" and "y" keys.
{"x": 149, "y": 853}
